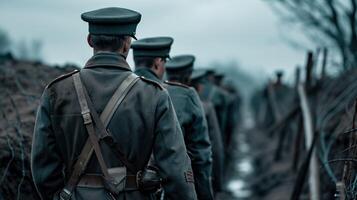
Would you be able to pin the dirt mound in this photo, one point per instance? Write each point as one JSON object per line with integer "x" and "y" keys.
{"x": 21, "y": 86}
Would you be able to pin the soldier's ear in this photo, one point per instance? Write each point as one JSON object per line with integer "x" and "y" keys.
{"x": 127, "y": 44}
{"x": 156, "y": 63}
{"x": 89, "y": 40}
{"x": 199, "y": 87}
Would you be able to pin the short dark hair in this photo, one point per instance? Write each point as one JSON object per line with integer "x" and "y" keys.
{"x": 107, "y": 42}
{"x": 144, "y": 61}
{"x": 182, "y": 77}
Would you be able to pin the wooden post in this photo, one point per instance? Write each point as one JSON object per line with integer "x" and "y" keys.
{"x": 298, "y": 137}
{"x": 309, "y": 66}
{"x": 340, "y": 188}
{"x": 315, "y": 60}
{"x": 297, "y": 144}
{"x": 314, "y": 184}
{"x": 297, "y": 76}
{"x": 273, "y": 102}
{"x": 324, "y": 63}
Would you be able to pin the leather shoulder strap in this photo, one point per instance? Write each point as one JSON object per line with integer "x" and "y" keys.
{"x": 88, "y": 148}
{"x": 92, "y": 143}
{"x": 87, "y": 119}
{"x": 104, "y": 133}
{"x": 117, "y": 98}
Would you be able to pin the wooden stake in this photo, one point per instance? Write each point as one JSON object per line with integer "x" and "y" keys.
{"x": 324, "y": 63}
{"x": 314, "y": 184}
{"x": 309, "y": 66}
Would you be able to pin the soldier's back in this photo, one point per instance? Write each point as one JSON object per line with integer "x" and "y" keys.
{"x": 193, "y": 123}
{"x": 131, "y": 125}
{"x": 142, "y": 124}
{"x": 217, "y": 146}
{"x": 182, "y": 99}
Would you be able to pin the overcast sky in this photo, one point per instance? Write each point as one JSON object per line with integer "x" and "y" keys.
{"x": 213, "y": 30}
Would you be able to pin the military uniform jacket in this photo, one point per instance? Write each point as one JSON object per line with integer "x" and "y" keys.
{"x": 220, "y": 100}
{"x": 193, "y": 123}
{"x": 217, "y": 146}
{"x": 144, "y": 123}
{"x": 232, "y": 117}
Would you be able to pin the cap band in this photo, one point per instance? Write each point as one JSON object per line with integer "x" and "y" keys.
{"x": 112, "y": 29}
{"x": 151, "y": 52}
{"x": 186, "y": 69}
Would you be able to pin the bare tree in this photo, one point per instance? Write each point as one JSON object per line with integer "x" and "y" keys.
{"x": 331, "y": 22}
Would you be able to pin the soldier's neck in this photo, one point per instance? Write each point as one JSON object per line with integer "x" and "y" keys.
{"x": 139, "y": 67}
{"x": 120, "y": 52}
{"x": 178, "y": 81}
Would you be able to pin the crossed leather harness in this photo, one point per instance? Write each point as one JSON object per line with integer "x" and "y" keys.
{"x": 113, "y": 178}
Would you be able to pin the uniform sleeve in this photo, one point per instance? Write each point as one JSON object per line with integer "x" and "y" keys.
{"x": 231, "y": 120}
{"x": 170, "y": 153}
{"x": 217, "y": 148}
{"x": 223, "y": 111}
{"x": 199, "y": 147}
{"x": 46, "y": 164}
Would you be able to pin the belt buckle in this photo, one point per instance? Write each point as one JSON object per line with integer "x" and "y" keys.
{"x": 65, "y": 194}
{"x": 138, "y": 178}
{"x": 87, "y": 117}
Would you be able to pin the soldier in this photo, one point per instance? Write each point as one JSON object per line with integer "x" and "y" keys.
{"x": 212, "y": 93}
{"x": 233, "y": 90}
{"x": 233, "y": 101}
{"x": 279, "y": 76}
{"x": 277, "y": 94}
{"x": 282, "y": 91}
{"x": 150, "y": 56}
{"x": 214, "y": 133}
{"x": 142, "y": 123}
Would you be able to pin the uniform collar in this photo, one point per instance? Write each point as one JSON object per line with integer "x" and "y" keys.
{"x": 104, "y": 59}
{"x": 147, "y": 73}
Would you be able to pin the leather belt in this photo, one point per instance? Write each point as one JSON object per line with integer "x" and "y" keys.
{"x": 97, "y": 181}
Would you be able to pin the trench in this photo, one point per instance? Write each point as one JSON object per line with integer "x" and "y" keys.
{"x": 240, "y": 168}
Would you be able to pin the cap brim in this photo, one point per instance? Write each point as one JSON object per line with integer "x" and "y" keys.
{"x": 133, "y": 36}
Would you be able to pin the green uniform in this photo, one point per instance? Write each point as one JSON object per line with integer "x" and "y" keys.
{"x": 230, "y": 118}
{"x": 191, "y": 116}
{"x": 217, "y": 146}
{"x": 234, "y": 113}
{"x": 144, "y": 123}
{"x": 220, "y": 100}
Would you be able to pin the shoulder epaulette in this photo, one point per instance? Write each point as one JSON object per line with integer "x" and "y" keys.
{"x": 177, "y": 84}
{"x": 152, "y": 82}
{"x": 62, "y": 77}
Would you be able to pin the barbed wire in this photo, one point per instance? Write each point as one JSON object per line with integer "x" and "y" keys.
{"x": 17, "y": 126}
{"x": 9, "y": 163}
